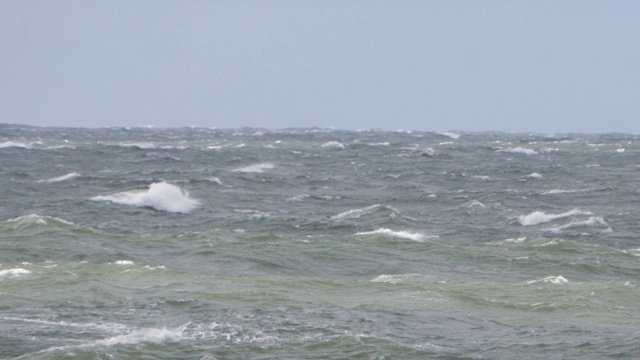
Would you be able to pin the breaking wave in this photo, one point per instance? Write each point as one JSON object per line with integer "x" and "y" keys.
{"x": 255, "y": 168}
{"x": 160, "y": 196}
{"x": 66, "y": 177}
{"x": 397, "y": 234}
{"x": 538, "y": 217}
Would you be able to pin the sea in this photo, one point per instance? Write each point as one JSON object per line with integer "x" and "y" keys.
{"x": 199, "y": 243}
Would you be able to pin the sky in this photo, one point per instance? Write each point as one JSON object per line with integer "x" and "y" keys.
{"x": 514, "y": 66}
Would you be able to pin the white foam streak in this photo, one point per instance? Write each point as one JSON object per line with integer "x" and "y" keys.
{"x": 557, "y": 280}
{"x": 141, "y": 146}
{"x": 37, "y": 219}
{"x": 66, "y": 177}
{"x": 450, "y": 134}
{"x": 355, "y": 213}
{"x": 12, "y": 144}
{"x": 255, "y": 168}
{"x": 152, "y": 335}
{"x": 391, "y": 278}
{"x": 333, "y": 144}
{"x": 558, "y": 191}
{"x": 14, "y": 272}
{"x": 593, "y": 221}
{"x": 123, "y": 262}
{"x": 539, "y": 217}
{"x": 397, "y": 234}
{"x": 160, "y": 196}
{"x": 521, "y": 150}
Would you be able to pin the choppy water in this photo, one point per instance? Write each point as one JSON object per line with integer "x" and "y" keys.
{"x": 317, "y": 244}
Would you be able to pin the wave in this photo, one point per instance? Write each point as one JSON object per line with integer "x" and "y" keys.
{"x": 449, "y": 134}
{"x": 255, "y": 168}
{"x": 160, "y": 196}
{"x": 12, "y": 144}
{"x": 557, "y": 191}
{"x": 140, "y": 146}
{"x": 151, "y": 335}
{"x": 66, "y": 177}
{"x": 550, "y": 279}
{"x": 539, "y": 217}
{"x": 356, "y": 213}
{"x": 592, "y": 222}
{"x": 15, "y": 272}
{"x": 123, "y": 262}
{"x": 135, "y": 337}
{"x": 397, "y": 234}
{"x": 393, "y": 278}
{"x": 475, "y": 203}
{"x": 333, "y": 144}
{"x": 521, "y": 150}
{"x": 35, "y": 219}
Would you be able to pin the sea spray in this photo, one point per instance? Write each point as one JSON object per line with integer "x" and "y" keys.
{"x": 160, "y": 196}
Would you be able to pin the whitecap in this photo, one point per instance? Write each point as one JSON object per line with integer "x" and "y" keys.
{"x": 151, "y": 335}
{"x": 298, "y": 198}
{"x": 355, "y": 213}
{"x": 550, "y": 279}
{"x": 389, "y": 278}
{"x": 557, "y": 191}
{"x": 428, "y": 152}
{"x": 449, "y": 134}
{"x": 141, "y": 146}
{"x": 215, "y": 180}
{"x": 521, "y": 150}
{"x": 475, "y": 203}
{"x": 380, "y": 144}
{"x": 333, "y": 144}
{"x": 538, "y": 217}
{"x": 160, "y": 196}
{"x": 593, "y": 221}
{"x": 14, "y": 272}
{"x": 123, "y": 262}
{"x": 254, "y": 214}
{"x": 255, "y": 168}
{"x": 35, "y": 219}
{"x": 535, "y": 176}
{"x": 66, "y": 177}
{"x": 12, "y": 144}
{"x": 397, "y": 234}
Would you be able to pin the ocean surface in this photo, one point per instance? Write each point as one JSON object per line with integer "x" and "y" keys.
{"x": 197, "y": 243}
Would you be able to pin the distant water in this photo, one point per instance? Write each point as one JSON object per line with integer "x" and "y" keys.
{"x": 317, "y": 244}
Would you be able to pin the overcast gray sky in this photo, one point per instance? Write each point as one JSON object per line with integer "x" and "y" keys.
{"x": 534, "y": 66}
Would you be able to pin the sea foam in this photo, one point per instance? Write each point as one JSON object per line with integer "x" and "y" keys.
{"x": 550, "y": 279}
{"x": 449, "y": 134}
{"x": 521, "y": 150}
{"x": 35, "y": 219}
{"x": 14, "y": 272}
{"x": 151, "y": 335}
{"x": 333, "y": 144}
{"x": 396, "y": 234}
{"x": 357, "y": 213}
{"x": 255, "y": 168}
{"x": 160, "y": 196}
{"x": 66, "y": 177}
{"x": 12, "y": 144}
{"x": 538, "y": 217}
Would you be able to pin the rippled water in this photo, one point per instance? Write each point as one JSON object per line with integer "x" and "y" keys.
{"x": 317, "y": 244}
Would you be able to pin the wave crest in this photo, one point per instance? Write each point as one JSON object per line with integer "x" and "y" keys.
{"x": 160, "y": 196}
{"x": 539, "y": 217}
